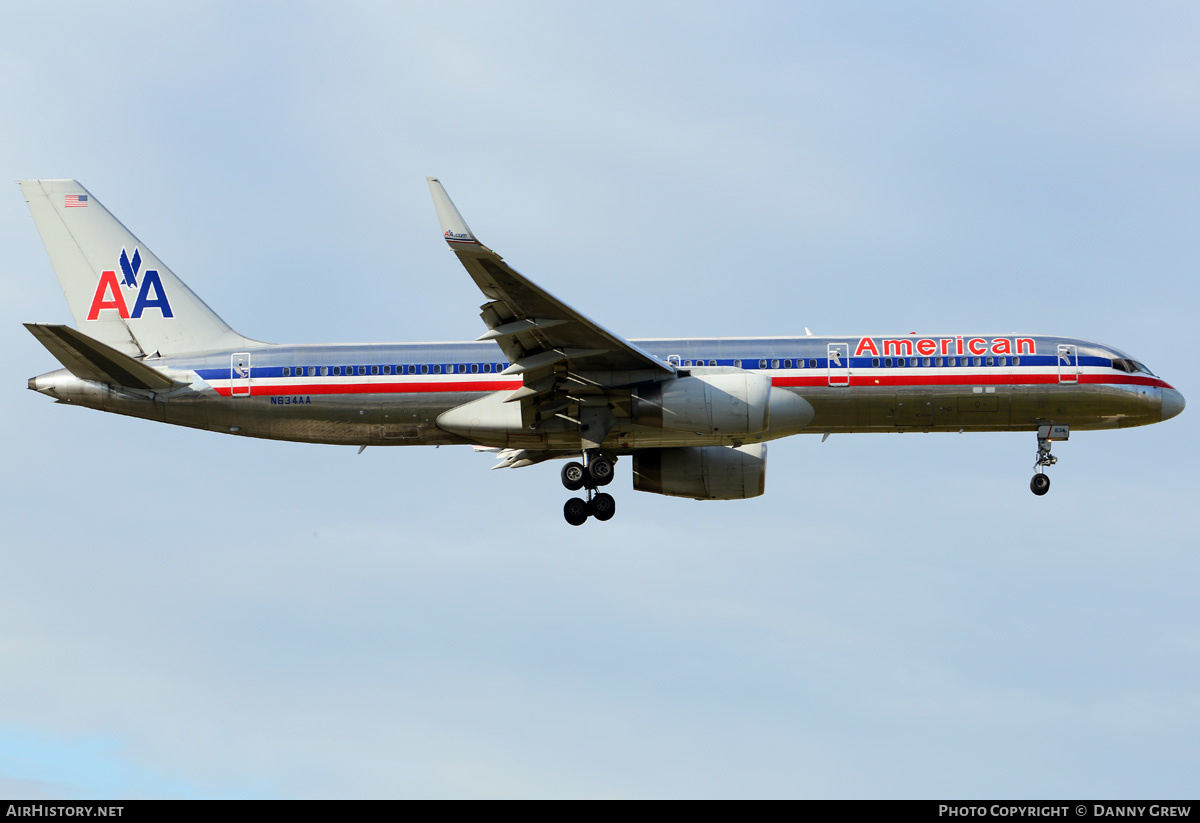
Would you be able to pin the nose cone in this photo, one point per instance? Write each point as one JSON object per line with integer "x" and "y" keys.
{"x": 1172, "y": 403}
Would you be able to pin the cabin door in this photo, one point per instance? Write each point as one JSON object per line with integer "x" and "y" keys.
{"x": 839, "y": 364}
{"x": 239, "y": 374}
{"x": 1068, "y": 364}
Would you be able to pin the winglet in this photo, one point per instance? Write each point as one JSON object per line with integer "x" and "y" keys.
{"x": 454, "y": 228}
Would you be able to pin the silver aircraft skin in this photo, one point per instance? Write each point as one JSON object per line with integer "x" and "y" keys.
{"x": 545, "y": 382}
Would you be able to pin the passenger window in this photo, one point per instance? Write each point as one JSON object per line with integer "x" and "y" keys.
{"x": 374, "y": 370}
{"x": 762, "y": 364}
{"x": 387, "y": 369}
{"x": 474, "y": 368}
{"x": 487, "y": 368}
{"x": 978, "y": 361}
{"x": 337, "y": 371}
{"x": 312, "y": 371}
{"x": 812, "y": 363}
{"x": 799, "y": 364}
{"x": 912, "y": 362}
{"x": 887, "y": 362}
{"x": 424, "y": 369}
{"x": 287, "y": 371}
{"x": 437, "y": 368}
{"x": 937, "y": 361}
{"x": 1003, "y": 361}
{"x": 737, "y": 364}
{"x": 362, "y": 369}
{"x": 324, "y": 371}
{"x": 774, "y": 364}
{"x": 687, "y": 362}
{"x": 1016, "y": 361}
{"x": 953, "y": 361}
{"x": 712, "y": 362}
{"x": 991, "y": 361}
{"x": 925, "y": 362}
{"x": 874, "y": 362}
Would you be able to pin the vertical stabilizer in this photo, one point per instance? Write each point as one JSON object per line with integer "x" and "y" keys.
{"x": 119, "y": 292}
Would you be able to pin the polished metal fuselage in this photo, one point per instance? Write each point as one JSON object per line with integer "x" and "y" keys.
{"x": 291, "y": 392}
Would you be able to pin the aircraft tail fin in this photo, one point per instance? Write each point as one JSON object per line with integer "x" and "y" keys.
{"x": 90, "y": 359}
{"x": 118, "y": 290}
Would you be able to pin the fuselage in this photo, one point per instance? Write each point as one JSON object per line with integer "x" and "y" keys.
{"x": 393, "y": 394}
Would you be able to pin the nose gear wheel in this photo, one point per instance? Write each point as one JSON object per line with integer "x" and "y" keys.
{"x": 1047, "y": 434}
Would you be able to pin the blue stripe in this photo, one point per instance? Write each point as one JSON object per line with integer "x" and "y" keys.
{"x": 749, "y": 364}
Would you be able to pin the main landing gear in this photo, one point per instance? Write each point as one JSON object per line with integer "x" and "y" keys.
{"x": 599, "y": 471}
{"x": 1040, "y": 484}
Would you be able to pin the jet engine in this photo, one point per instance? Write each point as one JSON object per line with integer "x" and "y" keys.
{"x": 702, "y": 472}
{"x": 735, "y": 402}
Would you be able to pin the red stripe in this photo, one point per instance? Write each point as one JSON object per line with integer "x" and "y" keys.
{"x": 815, "y": 380}
{"x": 967, "y": 380}
{"x": 377, "y": 388}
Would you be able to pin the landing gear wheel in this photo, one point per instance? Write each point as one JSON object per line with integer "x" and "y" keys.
{"x": 600, "y": 470}
{"x": 1040, "y": 484}
{"x": 573, "y": 476}
{"x": 603, "y": 506}
{"x": 575, "y": 511}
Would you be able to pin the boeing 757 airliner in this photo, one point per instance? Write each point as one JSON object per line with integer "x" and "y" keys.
{"x": 544, "y": 381}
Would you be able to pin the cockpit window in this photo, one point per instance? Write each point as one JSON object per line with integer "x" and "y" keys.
{"x": 1131, "y": 366}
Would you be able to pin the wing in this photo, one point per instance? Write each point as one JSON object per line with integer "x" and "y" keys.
{"x": 561, "y": 355}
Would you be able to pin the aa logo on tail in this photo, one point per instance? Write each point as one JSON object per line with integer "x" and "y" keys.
{"x": 110, "y": 295}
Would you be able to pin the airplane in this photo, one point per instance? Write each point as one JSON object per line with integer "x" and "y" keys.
{"x": 545, "y": 382}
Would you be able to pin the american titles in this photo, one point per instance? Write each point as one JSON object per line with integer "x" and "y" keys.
{"x": 950, "y": 346}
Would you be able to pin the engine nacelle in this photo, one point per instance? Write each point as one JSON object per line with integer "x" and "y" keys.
{"x": 702, "y": 472}
{"x": 732, "y": 402}
{"x": 736, "y": 402}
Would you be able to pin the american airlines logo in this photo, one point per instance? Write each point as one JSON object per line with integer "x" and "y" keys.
{"x": 110, "y": 294}
{"x": 952, "y": 346}
{"x": 458, "y": 238}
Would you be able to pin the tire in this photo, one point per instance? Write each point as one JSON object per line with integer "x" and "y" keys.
{"x": 575, "y": 511}
{"x": 603, "y": 507}
{"x": 1040, "y": 484}
{"x": 600, "y": 470}
{"x": 573, "y": 476}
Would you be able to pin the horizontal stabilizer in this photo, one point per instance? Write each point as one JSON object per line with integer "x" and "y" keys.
{"x": 90, "y": 359}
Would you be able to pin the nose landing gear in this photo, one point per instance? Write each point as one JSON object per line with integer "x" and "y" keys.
{"x": 599, "y": 471}
{"x": 1046, "y": 434}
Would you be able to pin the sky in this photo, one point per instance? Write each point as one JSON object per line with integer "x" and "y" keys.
{"x": 190, "y": 615}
